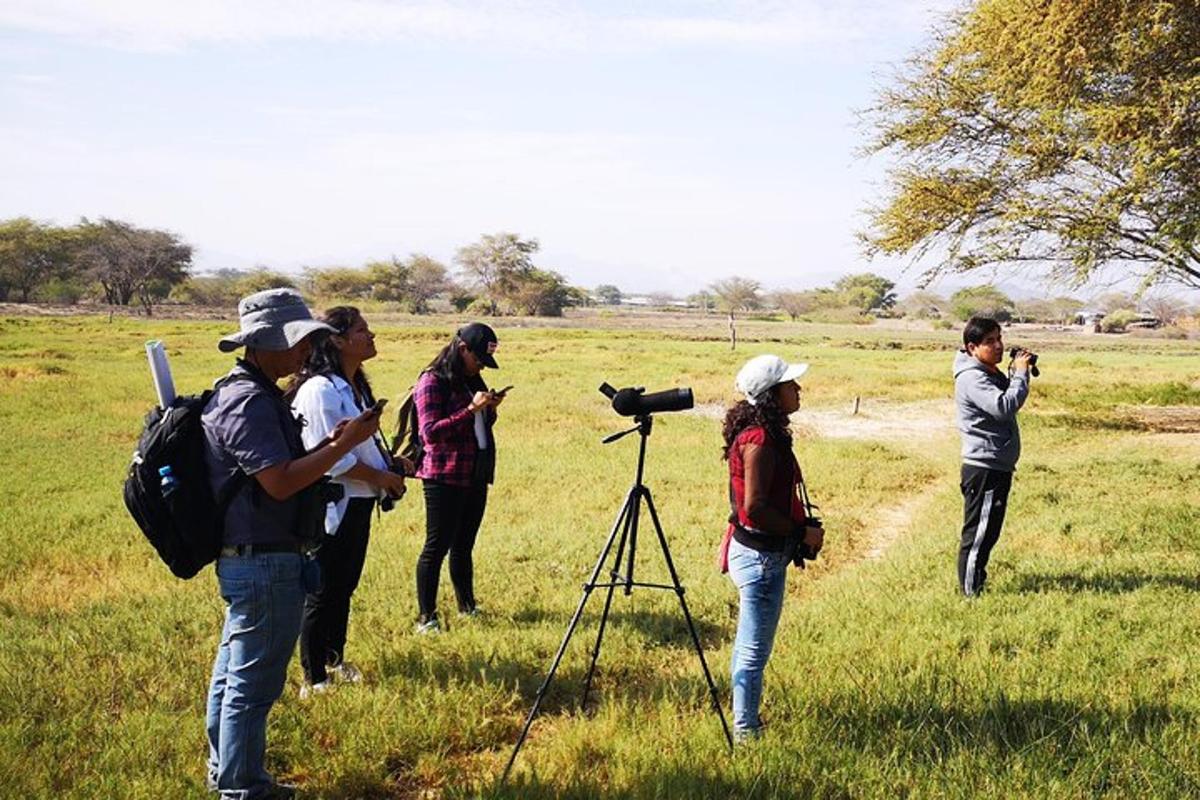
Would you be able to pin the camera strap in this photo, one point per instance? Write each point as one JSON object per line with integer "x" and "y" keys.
{"x": 809, "y": 508}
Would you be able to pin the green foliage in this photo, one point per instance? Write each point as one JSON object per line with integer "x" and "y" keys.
{"x": 413, "y": 283}
{"x": 223, "y": 288}
{"x": 608, "y": 295}
{"x": 981, "y": 301}
{"x": 131, "y": 263}
{"x": 1118, "y": 321}
{"x": 540, "y": 293}
{"x": 501, "y": 267}
{"x": 866, "y": 291}
{"x": 260, "y": 279}
{"x": 32, "y": 254}
{"x": 61, "y": 291}
{"x": 1059, "y": 311}
{"x": 341, "y": 283}
{"x": 1060, "y": 133}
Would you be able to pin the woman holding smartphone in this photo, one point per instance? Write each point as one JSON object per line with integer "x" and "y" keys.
{"x": 455, "y": 416}
{"x": 330, "y": 387}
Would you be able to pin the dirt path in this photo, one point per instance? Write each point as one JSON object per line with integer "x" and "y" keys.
{"x": 879, "y": 420}
{"x": 891, "y": 523}
{"x": 910, "y": 424}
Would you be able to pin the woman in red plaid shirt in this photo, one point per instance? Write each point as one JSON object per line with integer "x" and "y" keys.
{"x": 455, "y": 415}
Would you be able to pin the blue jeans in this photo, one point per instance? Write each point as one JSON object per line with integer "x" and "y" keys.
{"x": 264, "y": 595}
{"x": 759, "y": 578}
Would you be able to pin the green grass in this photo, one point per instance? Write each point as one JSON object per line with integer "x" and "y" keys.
{"x": 1076, "y": 676}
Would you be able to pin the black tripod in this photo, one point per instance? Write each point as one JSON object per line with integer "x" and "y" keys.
{"x": 627, "y": 526}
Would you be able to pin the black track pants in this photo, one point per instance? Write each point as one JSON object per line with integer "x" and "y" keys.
{"x": 327, "y": 611}
{"x": 452, "y": 518}
{"x": 985, "y": 499}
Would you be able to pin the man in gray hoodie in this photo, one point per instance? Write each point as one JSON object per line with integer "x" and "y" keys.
{"x": 987, "y": 402}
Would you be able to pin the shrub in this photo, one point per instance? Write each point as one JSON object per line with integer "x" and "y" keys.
{"x": 1117, "y": 321}
{"x": 60, "y": 291}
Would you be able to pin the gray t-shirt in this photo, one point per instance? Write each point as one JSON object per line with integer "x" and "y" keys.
{"x": 248, "y": 427}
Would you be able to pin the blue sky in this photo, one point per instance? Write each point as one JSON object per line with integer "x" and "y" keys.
{"x": 657, "y": 146}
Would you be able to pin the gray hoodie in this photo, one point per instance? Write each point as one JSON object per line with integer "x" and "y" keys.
{"x": 987, "y": 404}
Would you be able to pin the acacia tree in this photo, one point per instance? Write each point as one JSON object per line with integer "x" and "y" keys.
{"x": 794, "y": 303}
{"x": 981, "y": 301}
{"x": 736, "y": 294}
{"x": 31, "y": 253}
{"x": 130, "y": 262}
{"x": 866, "y": 291}
{"x": 497, "y": 263}
{"x": 427, "y": 278}
{"x": 922, "y": 304}
{"x": 608, "y": 295}
{"x": 1166, "y": 308}
{"x": 1061, "y": 133}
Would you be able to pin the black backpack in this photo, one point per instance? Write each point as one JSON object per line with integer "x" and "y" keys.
{"x": 185, "y": 528}
{"x": 407, "y": 440}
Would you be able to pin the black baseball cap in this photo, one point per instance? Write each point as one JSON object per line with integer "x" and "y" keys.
{"x": 482, "y": 341}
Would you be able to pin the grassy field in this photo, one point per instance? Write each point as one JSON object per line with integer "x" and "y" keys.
{"x": 1076, "y": 676}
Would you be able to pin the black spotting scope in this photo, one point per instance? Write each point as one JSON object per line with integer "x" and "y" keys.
{"x": 633, "y": 401}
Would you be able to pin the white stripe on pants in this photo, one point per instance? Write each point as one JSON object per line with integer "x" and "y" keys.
{"x": 980, "y": 532}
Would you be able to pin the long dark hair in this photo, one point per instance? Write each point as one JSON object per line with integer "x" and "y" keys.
{"x": 766, "y": 414}
{"x": 325, "y": 358}
{"x": 448, "y": 367}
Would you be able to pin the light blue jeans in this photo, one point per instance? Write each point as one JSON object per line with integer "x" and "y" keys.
{"x": 759, "y": 578}
{"x": 264, "y": 597}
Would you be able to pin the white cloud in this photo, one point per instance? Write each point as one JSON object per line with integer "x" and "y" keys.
{"x": 539, "y": 24}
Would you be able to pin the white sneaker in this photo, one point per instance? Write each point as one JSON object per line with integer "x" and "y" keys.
{"x": 429, "y": 626}
{"x": 345, "y": 672}
{"x": 308, "y": 690}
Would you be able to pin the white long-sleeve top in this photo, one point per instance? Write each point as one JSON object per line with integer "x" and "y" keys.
{"x": 324, "y": 401}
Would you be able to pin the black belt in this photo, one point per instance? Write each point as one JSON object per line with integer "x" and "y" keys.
{"x": 763, "y": 542}
{"x": 259, "y": 549}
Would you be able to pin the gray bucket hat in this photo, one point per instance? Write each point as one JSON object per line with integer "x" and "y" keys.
{"x": 276, "y": 319}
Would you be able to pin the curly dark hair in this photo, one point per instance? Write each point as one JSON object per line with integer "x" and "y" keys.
{"x": 767, "y": 414}
{"x": 326, "y": 359}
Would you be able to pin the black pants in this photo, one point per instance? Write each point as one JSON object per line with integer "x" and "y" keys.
{"x": 452, "y": 518}
{"x": 327, "y": 611}
{"x": 985, "y": 499}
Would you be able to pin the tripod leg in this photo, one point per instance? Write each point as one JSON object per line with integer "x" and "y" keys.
{"x": 635, "y": 496}
{"x": 628, "y": 513}
{"x": 619, "y": 525}
{"x": 666, "y": 551}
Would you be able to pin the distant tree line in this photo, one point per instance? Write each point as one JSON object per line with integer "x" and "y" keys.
{"x": 120, "y": 264}
{"x": 114, "y": 261}
{"x": 864, "y": 297}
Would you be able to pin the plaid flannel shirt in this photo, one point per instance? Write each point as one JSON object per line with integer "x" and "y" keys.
{"x": 447, "y": 431}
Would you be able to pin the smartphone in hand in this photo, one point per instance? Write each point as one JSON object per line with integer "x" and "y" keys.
{"x": 504, "y": 390}
{"x": 377, "y": 409}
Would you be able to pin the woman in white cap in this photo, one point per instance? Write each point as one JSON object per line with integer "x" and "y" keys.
{"x": 767, "y": 521}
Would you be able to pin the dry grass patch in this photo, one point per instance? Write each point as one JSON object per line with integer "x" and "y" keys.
{"x": 66, "y": 585}
{"x": 1164, "y": 419}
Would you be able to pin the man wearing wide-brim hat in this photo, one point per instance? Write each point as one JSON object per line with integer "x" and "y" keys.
{"x": 259, "y": 470}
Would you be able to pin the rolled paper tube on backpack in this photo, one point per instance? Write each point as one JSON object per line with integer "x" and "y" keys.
{"x": 160, "y": 371}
